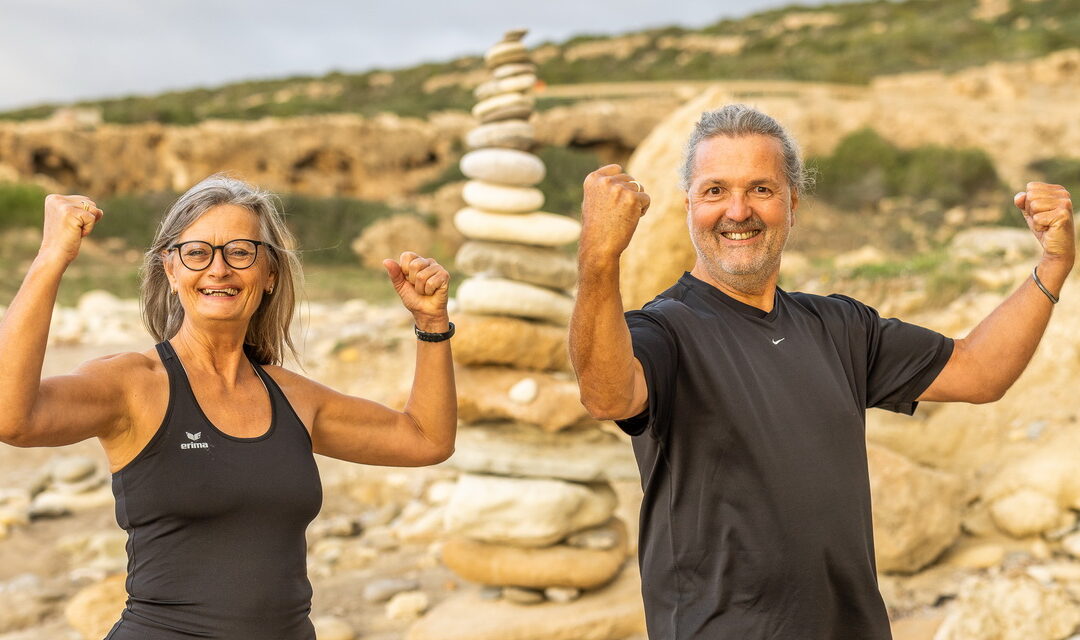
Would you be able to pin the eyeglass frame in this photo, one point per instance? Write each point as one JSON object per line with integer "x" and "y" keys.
{"x": 214, "y": 249}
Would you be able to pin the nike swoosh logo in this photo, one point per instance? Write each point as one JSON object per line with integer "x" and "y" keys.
{"x": 779, "y": 341}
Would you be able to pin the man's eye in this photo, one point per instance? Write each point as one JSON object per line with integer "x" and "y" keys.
{"x": 763, "y": 191}
{"x": 713, "y": 191}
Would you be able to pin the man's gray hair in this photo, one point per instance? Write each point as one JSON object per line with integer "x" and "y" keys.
{"x": 737, "y": 120}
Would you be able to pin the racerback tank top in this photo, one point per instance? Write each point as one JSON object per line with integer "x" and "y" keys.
{"x": 216, "y": 525}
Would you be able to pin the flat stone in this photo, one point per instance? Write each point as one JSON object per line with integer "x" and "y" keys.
{"x": 544, "y": 266}
{"x": 520, "y": 450}
{"x": 523, "y": 344}
{"x": 506, "y": 53}
{"x": 613, "y": 613}
{"x": 484, "y": 396}
{"x": 562, "y": 594}
{"x": 1025, "y": 512}
{"x": 599, "y": 538}
{"x": 383, "y": 589}
{"x": 51, "y": 504}
{"x": 498, "y": 296}
{"x": 508, "y": 106}
{"x": 510, "y": 134}
{"x": 503, "y": 166}
{"x": 525, "y": 512}
{"x": 513, "y": 69}
{"x": 555, "y": 566}
{"x": 539, "y": 229}
{"x": 520, "y": 83}
{"x": 499, "y": 198}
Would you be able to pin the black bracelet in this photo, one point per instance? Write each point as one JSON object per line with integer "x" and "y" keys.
{"x": 1038, "y": 283}
{"x": 427, "y": 336}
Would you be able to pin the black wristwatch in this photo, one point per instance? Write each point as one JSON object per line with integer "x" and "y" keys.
{"x": 427, "y": 336}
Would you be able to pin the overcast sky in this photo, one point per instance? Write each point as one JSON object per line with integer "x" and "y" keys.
{"x": 63, "y": 50}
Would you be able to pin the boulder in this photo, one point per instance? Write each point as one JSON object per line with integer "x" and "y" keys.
{"x": 525, "y": 512}
{"x": 503, "y": 166}
{"x": 555, "y": 566}
{"x": 500, "y": 198}
{"x": 539, "y": 229}
{"x": 499, "y": 296}
{"x": 389, "y": 237}
{"x": 484, "y": 395}
{"x": 1010, "y": 607}
{"x": 96, "y": 608}
{"x": 544, "y": 266}
{"x": 508, "y": 106}
{"x": 916, "y": 510}
{"x": 614, "y": 613}
{"x": 526, "y": 451}
{"x": 523, "y": 344}
{"x": 510, "y": 134}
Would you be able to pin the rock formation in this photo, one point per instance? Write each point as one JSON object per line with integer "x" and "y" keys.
{"x": 532, "y": 524}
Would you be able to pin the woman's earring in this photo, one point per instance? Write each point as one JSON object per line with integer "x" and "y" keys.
{"x": 270, "y": 290}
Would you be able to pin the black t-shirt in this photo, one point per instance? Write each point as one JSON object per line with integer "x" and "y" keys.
{"x": 756, "y": 521}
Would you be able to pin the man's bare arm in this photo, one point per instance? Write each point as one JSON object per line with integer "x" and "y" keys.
{"x": 989, "y": 360}
{"x": 611, "y": 380}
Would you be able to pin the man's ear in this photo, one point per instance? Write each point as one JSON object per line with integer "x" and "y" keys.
{"x": 794, "y": 205}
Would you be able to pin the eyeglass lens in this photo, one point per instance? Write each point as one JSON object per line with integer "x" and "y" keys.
{"x": 197, "y": 255}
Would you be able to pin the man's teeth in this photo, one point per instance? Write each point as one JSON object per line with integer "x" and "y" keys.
{"x": 746, "y": 235}
{"x": 219, "y": 292}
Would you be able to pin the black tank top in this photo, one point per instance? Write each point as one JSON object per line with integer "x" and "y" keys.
{"x": 216, "y": 545}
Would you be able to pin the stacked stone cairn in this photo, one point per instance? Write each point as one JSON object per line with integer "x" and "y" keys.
{"x": 532, "y": 514}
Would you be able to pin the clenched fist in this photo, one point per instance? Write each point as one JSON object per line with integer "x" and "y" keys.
{"x": 610, "y": 211}
{"x": 423, "y": 285}
{"x": 1048, "y": 211}
{"x": 68, "y": 219}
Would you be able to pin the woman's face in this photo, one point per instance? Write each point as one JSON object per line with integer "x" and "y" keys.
{"x": 220, "y": 292}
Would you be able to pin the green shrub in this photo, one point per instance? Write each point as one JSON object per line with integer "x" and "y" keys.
{"x": 21, "y": 205}
{"x": 1063, "y": 171}
{"x": 865, "y": 167}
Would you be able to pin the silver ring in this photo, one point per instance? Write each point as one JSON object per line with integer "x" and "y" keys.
{"x": 85, "y": 205}
{"x": 639, "y": 187}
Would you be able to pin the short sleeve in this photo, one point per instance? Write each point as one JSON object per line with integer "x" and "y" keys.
{"x": 655, "y": 348}
{"x": 902, "y": 359}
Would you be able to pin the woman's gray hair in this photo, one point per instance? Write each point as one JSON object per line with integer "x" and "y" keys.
{"x": 268, "y": 332}
{"x": 737, "y": 120}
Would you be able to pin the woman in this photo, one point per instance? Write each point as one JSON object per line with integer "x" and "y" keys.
{"x": 209, "y": 440}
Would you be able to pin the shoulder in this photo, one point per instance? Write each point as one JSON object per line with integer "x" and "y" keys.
{"x": 120, "y": 367}
{"x": 834, "y": 305}
{"x": 293, "y": 383}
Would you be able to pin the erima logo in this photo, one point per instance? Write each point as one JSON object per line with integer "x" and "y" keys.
{"x": 194, "y": 444}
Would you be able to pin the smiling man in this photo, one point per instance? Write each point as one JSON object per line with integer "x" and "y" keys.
{"x": 747, "y": 403}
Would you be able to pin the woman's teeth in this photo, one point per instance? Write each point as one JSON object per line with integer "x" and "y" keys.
{"x": 219, "y": 292}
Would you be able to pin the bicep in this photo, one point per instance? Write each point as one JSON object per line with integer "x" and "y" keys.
{"x": 359, "y": 430}
{"x": 86, "y": 403}
{"x": 958, "y": 380}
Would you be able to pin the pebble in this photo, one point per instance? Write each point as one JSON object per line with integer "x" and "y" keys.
{"x": 600, "y": 539}
{"x": 386, "y": 588}
{"x": 525, "y": 391}
{"x": 519, "y": 595}
{"x": 513, "y": 69}
{"x": 538, "y": 229}
{"x": 334, "y": 527}
{"x": 501, "y": 198}
{"x": 491, "y": 593}
{"x": 512, "y": 134}
{"x": 504, "y": 167}
{"x": 508, "y": 106}
{"x": 562, "y": 595}
{"x": 407, "y": 605}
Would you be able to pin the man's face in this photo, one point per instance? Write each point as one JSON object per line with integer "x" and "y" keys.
{"x": 740, "y": 208}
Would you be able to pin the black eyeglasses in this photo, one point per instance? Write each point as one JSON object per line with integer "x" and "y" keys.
{"x": 198, "y": 255}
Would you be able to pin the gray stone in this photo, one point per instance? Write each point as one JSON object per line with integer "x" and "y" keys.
{"x": 499, "y": 296}
{"x": 600, "y": 538}
{"x": 383, "y": 589}
{"x": 509, "y": 449}
{"x": 508, "y": 106}
{"x": 513, "y": 69}
{"x": 491, "y": 593}
{"x": 544, "y": 266}
{"x": 510, "y": 134}
{"x": 503, "y": 166}
{"x": 519, "y": 83}
{"x": 506, "y": 52}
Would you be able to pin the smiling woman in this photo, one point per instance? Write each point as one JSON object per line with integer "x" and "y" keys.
{"x": 210, "y": 440}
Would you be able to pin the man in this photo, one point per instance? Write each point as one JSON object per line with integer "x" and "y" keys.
{"x": 748, "y": 403}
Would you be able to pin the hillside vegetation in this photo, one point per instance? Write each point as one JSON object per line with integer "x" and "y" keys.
{"x": 845, "y": 43}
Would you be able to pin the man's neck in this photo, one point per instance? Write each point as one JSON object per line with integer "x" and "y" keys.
{"x": 746, "y": 289}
